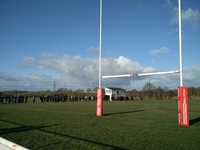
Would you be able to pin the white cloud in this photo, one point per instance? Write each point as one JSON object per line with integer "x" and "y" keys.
{"x": 154, "y": 52}
{"x": 188, "y": 16}
{"x": 76, "y": 72}
{"x": 174, "y": 19}
{"x": 159, "y": 51}
{"x": 192, "y": 16}
{"x": 33, "y": 82}
{"x": 6, "y": 76}
{"x": 190, "y": 78}
{"x": 29, "y": 59}
{"x": 48, "y": 55}
{"x": 93, "y": 49}
{"x": 168, "y": 4}
{"x": 191, "y": 74}
{"x": 175, "y": 30}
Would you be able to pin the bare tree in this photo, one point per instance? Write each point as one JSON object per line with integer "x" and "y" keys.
{"x": 160, "y": 92}
{"x": 89, "y": 90}
{"x": 48, "y": 90}
{"x": 79, "y": 90}
{"x": 95, "y": 89}
{"x": 148, "y": 87}
{"x": 62, "y": 90}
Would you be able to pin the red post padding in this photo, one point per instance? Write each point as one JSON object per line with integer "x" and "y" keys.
{"x": 183, "y": 113}
{"x": 99, "y": 105}
{"x": 179, "y": 107}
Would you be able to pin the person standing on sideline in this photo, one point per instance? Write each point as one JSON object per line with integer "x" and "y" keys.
{"x": 147, "y": 98}
{"x": 33, "y": 99}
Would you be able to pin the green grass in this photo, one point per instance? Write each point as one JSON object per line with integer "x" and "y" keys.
{"x": 136, "y": 125}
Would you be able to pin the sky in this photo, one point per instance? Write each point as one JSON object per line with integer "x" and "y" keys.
{"x": 42, "y": 41}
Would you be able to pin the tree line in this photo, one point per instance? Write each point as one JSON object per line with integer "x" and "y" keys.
{"x": 161, "y": 92}
{"x": 148, "y": 90}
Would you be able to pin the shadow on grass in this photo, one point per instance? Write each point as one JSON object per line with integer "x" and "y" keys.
{"x": 125, "y": 112}
{"x": 169, "y": 109}
{"x": 46, "y": 145}
{"x": 176, "y": 109}
{"x": 24, "y": 128}
{"x": 193, "y": 121}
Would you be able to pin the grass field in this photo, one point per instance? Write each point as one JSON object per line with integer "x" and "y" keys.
{"x": 135, "y": 125}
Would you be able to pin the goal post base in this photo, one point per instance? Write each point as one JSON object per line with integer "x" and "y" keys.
{"x": 99, "y": 103}
{"x": 183, "y": 113}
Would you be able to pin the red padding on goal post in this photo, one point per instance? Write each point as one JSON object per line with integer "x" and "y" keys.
{"x": 99, "y": 105}
{"x": 183, "y": 113}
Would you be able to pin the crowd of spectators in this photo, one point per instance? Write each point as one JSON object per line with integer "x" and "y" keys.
{"x": 61, "y": 98}
{"x": 13, "y": 99}
{"x": 54, "y": 98}
{"x": 43, "y": 99}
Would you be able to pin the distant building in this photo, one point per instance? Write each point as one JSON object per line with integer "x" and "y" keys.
{"x": 114, "y": 93}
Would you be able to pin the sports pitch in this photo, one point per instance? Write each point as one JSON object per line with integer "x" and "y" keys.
{"x": 124, "y": 125}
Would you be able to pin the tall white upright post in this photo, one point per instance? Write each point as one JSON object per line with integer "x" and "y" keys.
{"x": 180, "y": 42}
{"x": 99, "y": 103}
{"x": 183, "y": 112}
{"x": 100, "y": 43}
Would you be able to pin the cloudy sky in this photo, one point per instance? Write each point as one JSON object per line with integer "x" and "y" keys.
{"x": 46, "y": 40}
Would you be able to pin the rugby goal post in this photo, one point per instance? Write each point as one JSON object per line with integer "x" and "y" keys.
{"x": 99, "y": 104}
{"x": 183, "y": 112}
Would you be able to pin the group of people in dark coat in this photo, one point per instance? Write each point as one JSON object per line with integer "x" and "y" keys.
{"x": 13, "y": 99}
{"x": 61, "y": 98}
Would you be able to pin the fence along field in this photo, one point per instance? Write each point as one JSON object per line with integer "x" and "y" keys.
{"x": 137, "y": 124}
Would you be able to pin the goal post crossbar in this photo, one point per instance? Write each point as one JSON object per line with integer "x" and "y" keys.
{"x": 141, "y": 74}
